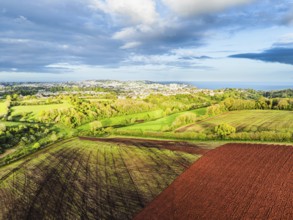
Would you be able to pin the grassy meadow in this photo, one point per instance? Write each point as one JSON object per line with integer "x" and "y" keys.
{"x": 247, "y": 121}
{"x": 125, "y": 119}
{"x": 33, "y": 111}
{"x": 3, "y": 108}
{"x": 159, "y": 124}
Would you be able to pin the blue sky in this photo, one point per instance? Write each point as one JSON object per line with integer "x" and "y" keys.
{"x": 186, "y": 40}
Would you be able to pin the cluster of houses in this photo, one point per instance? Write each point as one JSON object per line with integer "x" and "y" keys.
{"x": 124, "y": 89}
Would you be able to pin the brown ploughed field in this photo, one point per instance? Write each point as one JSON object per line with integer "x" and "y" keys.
{"x": 160, "y": 144}
{"x": 235, "y": 181}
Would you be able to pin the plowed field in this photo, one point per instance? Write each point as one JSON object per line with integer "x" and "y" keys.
{"x": 80, "y": 179}
{"x": 235, "y": 181}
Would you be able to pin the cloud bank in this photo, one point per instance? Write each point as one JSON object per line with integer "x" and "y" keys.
{"x": 198, "y": 7}
{"x": 276, "y": 54}
{"x": 36, "y": 36}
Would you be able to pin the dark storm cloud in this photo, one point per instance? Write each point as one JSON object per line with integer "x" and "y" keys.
{"x": 276, "y": 54}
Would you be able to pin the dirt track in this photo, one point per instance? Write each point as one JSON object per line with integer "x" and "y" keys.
{"x": 170, "y": 145}
{"x": 235, "y": 181}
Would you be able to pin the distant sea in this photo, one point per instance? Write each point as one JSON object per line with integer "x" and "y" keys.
{"x": 239, "y": 85}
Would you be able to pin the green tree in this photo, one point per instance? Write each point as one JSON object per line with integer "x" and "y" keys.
{"x": 224, "y": 129}
{"x": 36, "y": 146}
{"x": 96, "y": 125}
{"x": 2, "y": 127}
{"x": 283, "y": 104}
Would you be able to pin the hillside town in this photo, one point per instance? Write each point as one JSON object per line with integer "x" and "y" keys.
{"x": 124, "y": 89}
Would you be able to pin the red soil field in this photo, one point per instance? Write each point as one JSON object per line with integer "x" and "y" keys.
{"x": 170, "y": 145}
{"x": 234, "y": 181}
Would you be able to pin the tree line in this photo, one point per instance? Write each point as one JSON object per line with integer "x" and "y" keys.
{"x": 263, "y": 103}
{"x": 84, "y": 111}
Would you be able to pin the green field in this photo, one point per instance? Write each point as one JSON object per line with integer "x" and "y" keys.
{"x": 3, "y": 108}
{"x": 33, "y": 110}
{"x": 32, "y": 101}
{"x": 248, "y": 120}
{"x": 79, "y": 179}
{"x": 158, "y": 125}
{"x": 125, "y": 119}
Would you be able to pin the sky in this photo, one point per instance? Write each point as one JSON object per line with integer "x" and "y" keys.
{"x": 159, "y": 40}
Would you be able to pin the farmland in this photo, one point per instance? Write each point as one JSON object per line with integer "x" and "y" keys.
{"x": 126, "y": 119}
{"x": 3, "y": 108}
{"x": 31, "y": 112}
{"x": 235, "y": 181}
{"x": 88, "y": 179}
{"x": 158, "y": 125}
{"x": 86, "y": 156}
{"x": 247, "y": 120}
{"x": 246, "y": 125}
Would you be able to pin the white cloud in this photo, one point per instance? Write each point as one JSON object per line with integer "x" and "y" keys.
{"x": 14, "y": 40}
{"x": 175, "y": 57}
{"x": 130, "y": 11}
{"x": 186, "y": 52}
{"x": 136, "y": 18}
{"x": 22, "y": 20}
{"x": 196, "y": 7}
{"x": 130, "y": 45}
{"x": 153, "y": 59}
{"x": 125, "y": 34}
{"x": 135, "y": 35}
{"x": 134, "y": 32}
{"x": 286, "y": 39}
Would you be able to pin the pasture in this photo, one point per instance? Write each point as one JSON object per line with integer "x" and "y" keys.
{"x": 82, "y": 179}
{"x": 247, "y": 120}
{"x": 33, "y": 101}
{"x": 125, "y": 119}
{"x": 3, "y": 108}
{"x": 31, "y": 112}
{"x": 159, "y": 124}
{"x": 114, "y": 121}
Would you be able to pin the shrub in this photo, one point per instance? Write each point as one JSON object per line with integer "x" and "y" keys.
{"x": 36, "y": 146}
{"x": 224, "y": 129}
{"x": 184, "y": 119}
{"x": 96, "y": 125}
{"x": 216, "y": 109}
{"x": 2, "y": 127}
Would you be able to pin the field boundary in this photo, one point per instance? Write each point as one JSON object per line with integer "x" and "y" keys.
{"x": 168, "y": 145}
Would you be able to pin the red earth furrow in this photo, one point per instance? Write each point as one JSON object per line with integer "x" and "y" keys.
{"x": 235, "y": 181}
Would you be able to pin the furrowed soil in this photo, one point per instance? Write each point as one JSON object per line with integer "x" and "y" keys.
{"x": 235, "y": 181}
{"x": 160, "y": 144}
{"x": 80, "y": 179}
